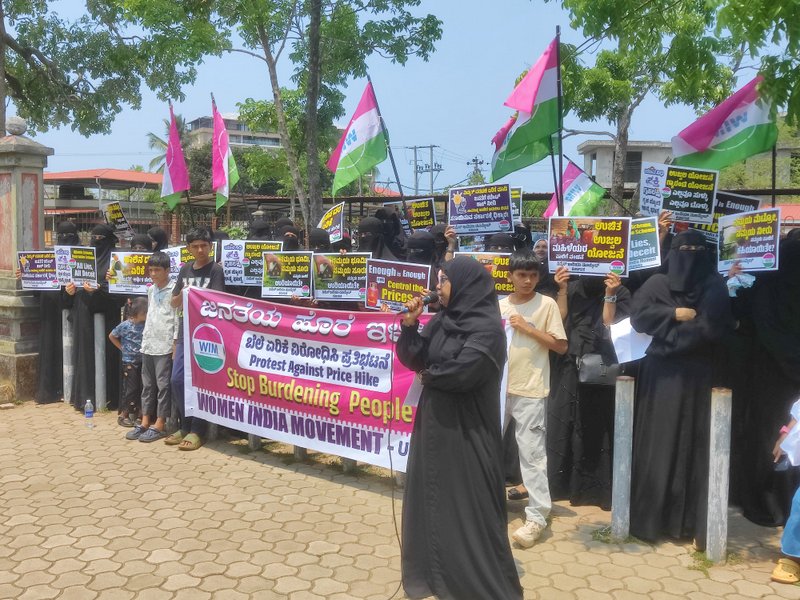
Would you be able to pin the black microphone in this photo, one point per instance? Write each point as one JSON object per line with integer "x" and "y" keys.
{"x": 430, "y": 298}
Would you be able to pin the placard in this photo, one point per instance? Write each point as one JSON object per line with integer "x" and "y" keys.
{"x": 341, "y": 277}
{"x": 394, "y": 283}
{"x": 727, "y": 204}
{"x": 286, "y": 274}
{"x": 180, "y": 255}
{"x": 38, "y": 269}
{"x": 115, "y": 217}
{"x": 589, "y": 245}
{"x": 645, "y": 244}
{"x": 130, "y": 274}
{"x": 76, "y": 264}
{"x": 420, "y": 214}
{"x": 751, "y": 239}
{"x": 333, "y": 222}
{"x": 480, "y": 209}
{"x": 496, "y": 263}
{"x": 688, "y": 193}
{"x": 243, "y": 262}
{"x": 516, "y": 204}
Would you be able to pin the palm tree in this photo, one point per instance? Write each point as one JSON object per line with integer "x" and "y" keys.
{"x": 157, "y": 143}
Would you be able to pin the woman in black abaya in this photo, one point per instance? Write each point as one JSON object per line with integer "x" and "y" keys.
{"x": 371, "y": 238}
{"x": 687, "y": 311}
{"x": 455, "y": 543}
{"x": 159, "y": 237}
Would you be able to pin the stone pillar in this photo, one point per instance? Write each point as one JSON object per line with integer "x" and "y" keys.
{"x": 22, "y": 162}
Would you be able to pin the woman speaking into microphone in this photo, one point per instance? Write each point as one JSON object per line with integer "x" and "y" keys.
{"x": 455, "y": 540}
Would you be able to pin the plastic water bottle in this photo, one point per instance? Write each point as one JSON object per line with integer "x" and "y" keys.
{"x": 88, "y": 412}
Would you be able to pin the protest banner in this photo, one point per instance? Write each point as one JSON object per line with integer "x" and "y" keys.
{"x": 394, "y": 283}
{"x": 516, "y": 204}
{"x": 115, "y": 217}
{"x": 38, "y": 270}
{"x": 688, "y": 193}
{"x": 186, "y": 256}
{"x": 727, "y": 204}
{"x": 130, "y": 273}
{"x": 333, "y": 222}
{"x": 751, "y": 239}
{"x": 243, "y": 260}
{"x": 480, "y": 209}
{"x": 496, "y": 263}
{"x": 589, "y": 245}
{"x": 420, "y": 214}
{"x": 319, "y": 379}
{"x": 180, "y": 255}
{"x": 645, "y": 245}
{"x": 341, "y": 277}
{"x": 286, "y": 274}
{"x": 76, "y": 264}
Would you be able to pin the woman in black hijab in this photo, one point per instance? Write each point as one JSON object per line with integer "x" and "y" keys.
{"x": 89, "y": 301}
{"x": 371, "y": 239}
{"x": 290, "y": 236}
{"x": 319, "y": 240}
{"x": 687, "y": 311}
{"x": 159, "y": 237}
{"x": 283, "y": 222}
{"x": 260, "y": 231}
{"x": 499, "y": 242}
{"x": 455, "y": 542}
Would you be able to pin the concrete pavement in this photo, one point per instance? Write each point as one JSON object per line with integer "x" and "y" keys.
{"x": 86, "y": 514}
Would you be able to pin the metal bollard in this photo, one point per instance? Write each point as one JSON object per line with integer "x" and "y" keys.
{"x": 623, "y": 449}
{"x": 66, "y": 344}
{"x": 718, "y": 473}
{"x": 99, "y": 362}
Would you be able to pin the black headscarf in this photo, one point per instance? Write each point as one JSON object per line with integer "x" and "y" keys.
{"x": 522, "y": 237}
{"x": 472, "y": 311}
{"x": 103, "y": 248}
{"x": 794, "y": 234}
{"x": 686, "y": 269}
{"x": 283, "y": 222}
{"x": 143, "y": 240}
{"x": 502, "y": 240}
{"x": 260, "y": 230}
{"x": 159, "y": 237}
{"x": 371, "y": 239}
{"x": 67, "y": 234}
{"x": 291, "y": 238}
{"x": 345, "y": 244}
{"x": 419, "y": 247}
{"x": 319, "y": 239}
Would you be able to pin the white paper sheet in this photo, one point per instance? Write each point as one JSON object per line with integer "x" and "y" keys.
{"x": 629, "y": 344}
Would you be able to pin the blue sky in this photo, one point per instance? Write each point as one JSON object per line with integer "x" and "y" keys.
{"x": 454, "y": 101}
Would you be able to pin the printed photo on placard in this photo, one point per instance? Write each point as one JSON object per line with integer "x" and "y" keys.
{"x": 750, "y": 239}
{"x": 480, "y": 209}
{"x": 420, "y": 214}
{"x": 130, "y": 274}
{"x": 496, "y": 263}
{"x": 242, "y": 260}
{"x": 589, "y": 245}
{"x": 727, "y": 204}
{"x": 394, "y": 283}
{"x": 341, "y": 277}
{"x": 286, "y": 274}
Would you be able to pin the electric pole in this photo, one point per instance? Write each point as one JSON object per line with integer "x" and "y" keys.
{"x": 419, "y": 168}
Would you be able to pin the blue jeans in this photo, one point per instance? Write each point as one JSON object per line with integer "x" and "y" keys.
{"x": 188, "y": 424}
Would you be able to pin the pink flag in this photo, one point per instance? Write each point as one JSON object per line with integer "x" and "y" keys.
{"x": 525, "y": 94}
{"x": 570, "y": 174}
{"x": 219, "y": 150}
{"x": 500, "y": 137}
{"x": 176, "y": 175}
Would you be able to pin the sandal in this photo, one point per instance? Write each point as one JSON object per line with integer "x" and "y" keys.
{"x": 174, "y": 439}
{"x": 517, "y": 494}
{"x": 190, "y": 442}
{"x": 786, "y": 571}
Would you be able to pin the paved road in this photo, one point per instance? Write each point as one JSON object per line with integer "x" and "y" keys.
{"x": 86, "y": 514}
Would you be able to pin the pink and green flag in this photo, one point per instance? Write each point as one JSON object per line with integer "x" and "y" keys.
{"x": 176, "y": 175}
{"x": 528, "y": 136}
{"x": 582, "y": 196}
{"x": 363, "y": 143}
{"x": 740, "y": 127}
{"x": 224, "y": 173}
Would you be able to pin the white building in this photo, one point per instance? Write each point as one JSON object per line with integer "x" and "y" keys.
{"x": 201, "y": 131}
{"x": 598, "y": 159}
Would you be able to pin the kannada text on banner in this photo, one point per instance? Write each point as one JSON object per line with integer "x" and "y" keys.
{"x": 243, "y": 260}
{"x": 496, "y": 263}
{"x": 130, "y": 274}
{"x": 645, "y": 244}
{"x": 420, "y": 214}
{"x": 589, "y": 245}
{"x": 115, "y": 217}
{"x": 341, "y": 277}
{"x": 727, "y": 204}
{"x": 394, "y": 283}
{"x": 516, "y": 204}
{"x": 76, "y": 264}
{"x": 323, "y": 380}
{"x": 751, "y": 239}
{"x": 688, "y": 193}
{"x": 480, "y": 209}
{"x": 38, "y": 270}
{"x": 333, "y": 222}
{"x": 286, "y": 274}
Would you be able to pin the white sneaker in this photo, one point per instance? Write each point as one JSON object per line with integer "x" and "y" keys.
{"x": 527, "y": 535}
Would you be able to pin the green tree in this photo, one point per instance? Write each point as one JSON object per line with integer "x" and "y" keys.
{"x": 668, "y": 48}
{"x": 83, "y": 71}
{"x": 198, "y": 163}
{"x": 159, "y": 144}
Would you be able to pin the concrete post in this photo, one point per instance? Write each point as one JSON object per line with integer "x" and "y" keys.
{"x": 623, "y": 448}
{"x": 66, "y": 341}
{"x": 718, "y": 472}
{"x": 300, "y": 454}
{"x": 22, "y": 162}
{"x": 349, "y": 465}
{"x": 253, "y": 442}
{"x": 100, "y": 401}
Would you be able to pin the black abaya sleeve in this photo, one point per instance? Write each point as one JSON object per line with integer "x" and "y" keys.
{"x": 652, "y": 309}
{"x": 412, "y": 348}
{"x": 462, "y": 373}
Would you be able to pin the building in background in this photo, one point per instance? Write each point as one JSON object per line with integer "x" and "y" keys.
{"x": 201, "y": 131}
{"x": 598, "y": 159}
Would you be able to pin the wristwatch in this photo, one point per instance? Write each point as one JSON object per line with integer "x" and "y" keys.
{"x": 611, "y": 299}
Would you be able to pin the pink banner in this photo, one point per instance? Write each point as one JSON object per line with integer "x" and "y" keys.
{"x": 323, "y": 380}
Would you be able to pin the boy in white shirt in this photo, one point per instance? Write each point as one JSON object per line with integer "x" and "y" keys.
{"x": 537, "y": 326}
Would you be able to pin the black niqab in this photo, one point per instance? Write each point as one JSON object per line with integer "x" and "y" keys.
{"x": 319, "y": 240}
{"x": 499, "y": 242}
{"x": 371, "y": 239}
{"x": 419, "y": 247}
{"x": 103, "y": 248}
{"x": 688, "y": 268}
{"x": 159, "y": 237}
{"x": 291, "y": 238}
{"x": 67, "y": 234}
{"x": 143, "y": 242}
{"x": 260, "y": 230}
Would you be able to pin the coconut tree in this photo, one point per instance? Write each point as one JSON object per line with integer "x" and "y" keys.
{"x": 160, "y": 144}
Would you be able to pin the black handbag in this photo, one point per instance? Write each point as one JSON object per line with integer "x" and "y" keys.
{"x": 594, "y": 370}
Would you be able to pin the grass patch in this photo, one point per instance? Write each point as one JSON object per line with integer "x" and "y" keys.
{"x": 700, "y": 562}
{"x": 604, "y": 535}
{"x": 732, "y": 559}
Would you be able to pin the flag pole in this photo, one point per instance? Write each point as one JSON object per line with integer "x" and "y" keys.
{"x": 774, "y": 170}
{"x": 560, "y": 187}
{"x": 189, "y": 207}
{"x": 559, "y": 202}
{"x": 388, "y": 146}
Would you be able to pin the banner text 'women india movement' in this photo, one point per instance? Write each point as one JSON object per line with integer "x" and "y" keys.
{"x": 323, "y": 380}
